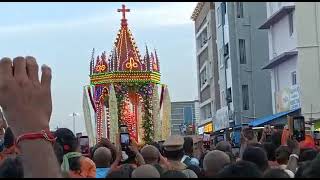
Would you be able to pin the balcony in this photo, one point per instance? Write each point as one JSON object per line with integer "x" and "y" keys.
{"x": 277, "y": 16}
{"x": 280, "y": 59}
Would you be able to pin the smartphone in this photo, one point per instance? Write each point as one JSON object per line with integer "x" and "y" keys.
{"x": 84, "y": 144}
{"x": 124, "y": 139}
{"x": 298, "y": 128}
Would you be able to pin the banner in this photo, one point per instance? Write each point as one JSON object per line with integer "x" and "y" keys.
{"x": 87, "y": 118}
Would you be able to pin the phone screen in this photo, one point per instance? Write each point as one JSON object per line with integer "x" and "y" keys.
{"x": 299, "y": 128}
{"x": 84, "y": 144}
{"x": 124, "y": 139}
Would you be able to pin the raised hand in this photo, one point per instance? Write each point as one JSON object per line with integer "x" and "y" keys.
{"x": 27, "y": 105}
{"x": 26, "y": 101}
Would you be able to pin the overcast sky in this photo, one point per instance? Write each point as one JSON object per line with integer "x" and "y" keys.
{"x": 62, "y": 35}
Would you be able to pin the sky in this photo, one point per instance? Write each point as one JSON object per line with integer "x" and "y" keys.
{"x": 62, "y": 35}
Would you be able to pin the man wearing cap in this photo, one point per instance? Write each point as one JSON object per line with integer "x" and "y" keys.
{"x": 173, "y": 151}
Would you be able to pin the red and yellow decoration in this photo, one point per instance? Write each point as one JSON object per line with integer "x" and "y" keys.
{"x": 123, "y": 88}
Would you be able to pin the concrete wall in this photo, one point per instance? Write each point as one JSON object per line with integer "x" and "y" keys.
{"x": 308, "y": 37}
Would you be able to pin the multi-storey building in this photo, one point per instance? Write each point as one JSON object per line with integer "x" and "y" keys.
{"x": 245, "y": 91}
{"x": 293, "y": 29}
{"x": 207, "y": 63}
{"x": 182, "y": 113}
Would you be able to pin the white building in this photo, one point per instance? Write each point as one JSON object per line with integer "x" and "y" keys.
{"x": 308, "y": 40}
{"x": 283, "y": 55}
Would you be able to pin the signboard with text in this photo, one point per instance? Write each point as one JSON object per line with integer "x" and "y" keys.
{"x": 222, "y": 119}
{"x": 288, "y": 99}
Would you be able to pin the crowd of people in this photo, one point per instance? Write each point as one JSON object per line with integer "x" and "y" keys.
{"x": 29, "y": 149}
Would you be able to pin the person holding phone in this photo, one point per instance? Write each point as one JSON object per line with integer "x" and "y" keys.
{"x": 72, "y": 161}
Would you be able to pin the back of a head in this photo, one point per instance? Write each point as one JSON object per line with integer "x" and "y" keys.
{"x": 276, "y": 138}
{"x": 301, "y": 169}
{"x": 11, "y": 168}
{"x": 157, "y": 145}
{"x": 173, "y": 174}
{"x": 196, "y": 170}
{"x": 125, "y": 171}
{"x": 282, "y": 154}
{"x": 308, "y": 155}
{"x": 188, "y": 145}
{"x": 224, "y": 146}
{"x": 102, "y": 157}
{"x": 312, "y": 170}
{"x": 240, "y": 169}
{"x": 66, "y": 142}
{"x": 66, "y": 139}
{"x": 214, "y": 161}
{"x": 150, "y": 154}
{"x": 145, "y": 171}
{"x": 275, "y": 173}
{"x": 8, "y": 138}
{"x": 190, "y": 173}
{"x": 270, "y": 149}
{"x": 256, "y": 155}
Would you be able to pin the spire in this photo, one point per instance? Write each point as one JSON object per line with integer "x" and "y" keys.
{"x": 154, "y": 66}
{"x": 115, "y": 60}
{"x": 157, "y": 60}
{"x": 147, "y": 59}
{"x": 92, "y": 62}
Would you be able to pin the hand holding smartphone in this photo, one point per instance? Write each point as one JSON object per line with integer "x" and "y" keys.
{"x": 297, "y": 127}
{"x": 84, "y": 144}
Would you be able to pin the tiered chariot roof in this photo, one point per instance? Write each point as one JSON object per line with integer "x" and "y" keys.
{"x": 124, "y": 63}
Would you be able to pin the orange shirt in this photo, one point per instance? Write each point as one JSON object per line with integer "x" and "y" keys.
{"x": 88, "y": 167}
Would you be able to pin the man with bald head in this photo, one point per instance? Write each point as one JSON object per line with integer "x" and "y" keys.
{"x": 146, "y": 171}
{"x": 150, "y": 154}
{"x": 214, "y": 161}
{"x": 102, "y": 158}
{"x": 224, "y": 146}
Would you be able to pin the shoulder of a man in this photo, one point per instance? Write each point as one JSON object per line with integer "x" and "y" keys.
{"x": 88, "y": 167}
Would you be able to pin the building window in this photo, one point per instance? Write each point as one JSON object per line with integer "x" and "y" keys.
{"x": 219, "y": 16}
{"x": 226, "y": 50}
{"x": 290, "y": 24}
{"x": 223, "y": 98}
{"x": 245, "y": 97}
{"x": 203, "y": 77}
{"x": 242, "y": 51}
{"x": 294, "y": 78}
{"x": 223, "y": 12}
{"x": 239, "y": 9}
{"x": 229, "y": 95}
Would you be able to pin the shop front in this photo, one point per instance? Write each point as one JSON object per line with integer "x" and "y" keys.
{"x": 205, "y": 128}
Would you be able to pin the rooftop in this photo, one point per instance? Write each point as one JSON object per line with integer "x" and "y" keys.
{"x": 197, "y": 10}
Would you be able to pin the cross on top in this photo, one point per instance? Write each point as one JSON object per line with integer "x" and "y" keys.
{"x": 123, "y": 10}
